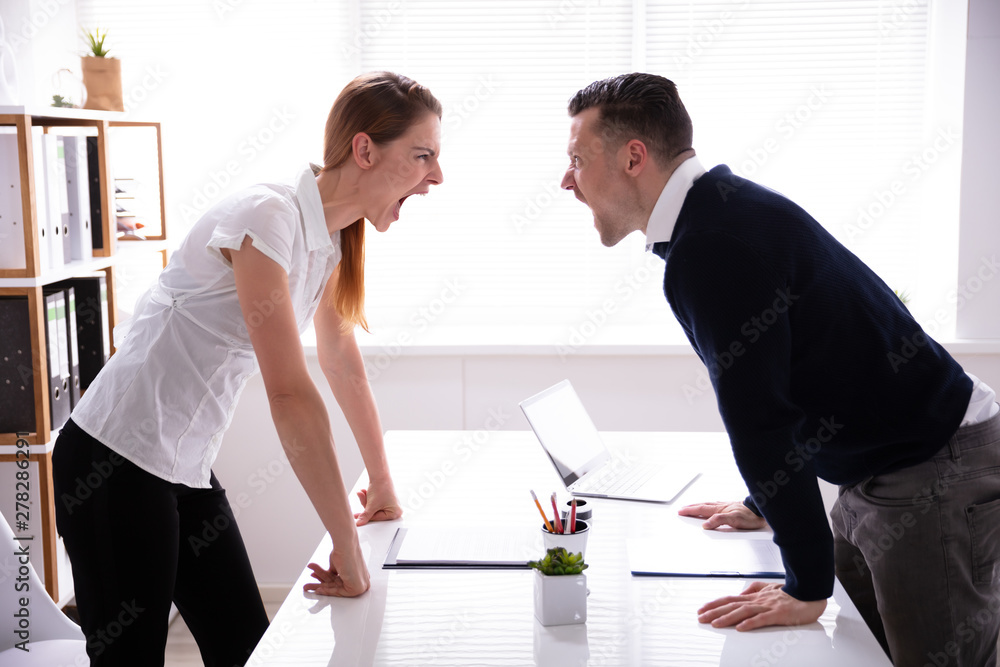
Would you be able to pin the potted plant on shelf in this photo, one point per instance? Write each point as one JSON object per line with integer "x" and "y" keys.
{"x": 102, "y": 75}
{"x": 560, "y": 588}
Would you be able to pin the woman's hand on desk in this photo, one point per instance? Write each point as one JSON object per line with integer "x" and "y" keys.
{"x": 735, "y": 515}
{"x": 760, "y": 605}
{"x": 380, "y": 503}
{"x": 347, "y": 576}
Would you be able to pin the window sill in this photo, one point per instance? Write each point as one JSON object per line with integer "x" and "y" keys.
{"x": 472, "y": 341}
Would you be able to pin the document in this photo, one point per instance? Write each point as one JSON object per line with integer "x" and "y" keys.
{"x": 489, "y": 547}
{"x": 706, "y": 556}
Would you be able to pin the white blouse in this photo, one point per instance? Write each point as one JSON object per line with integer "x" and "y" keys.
{"x": 168, "y": 393}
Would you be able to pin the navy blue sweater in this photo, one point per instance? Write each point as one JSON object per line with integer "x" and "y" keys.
{"x": 818, "y": 367}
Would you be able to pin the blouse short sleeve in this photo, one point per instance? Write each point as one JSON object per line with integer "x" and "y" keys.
{"x": 268, "y": 218}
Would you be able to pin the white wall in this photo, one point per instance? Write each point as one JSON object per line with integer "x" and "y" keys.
{"x": 44, "y": 38}
{"x": 979, "y": 242}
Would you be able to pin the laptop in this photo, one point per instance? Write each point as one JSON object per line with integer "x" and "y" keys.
{"x": 587, "y": 468}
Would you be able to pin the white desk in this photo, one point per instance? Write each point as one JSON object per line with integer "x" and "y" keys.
{"x": 463, "y": 617}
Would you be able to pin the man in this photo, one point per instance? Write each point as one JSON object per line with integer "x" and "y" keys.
{"x": 820, "y": 372}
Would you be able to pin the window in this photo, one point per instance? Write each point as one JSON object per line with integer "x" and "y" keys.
{"x": 831, "y": 102}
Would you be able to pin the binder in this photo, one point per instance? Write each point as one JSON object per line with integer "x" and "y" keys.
{"x": 92, "y": 337}
{"x": 51, "y": 180}
{"x": 57, "y": 181}
{"x": 11, "y": 220}
{"x": 81, "y": 241}
{"x": 74, "y": 348}
{"x": 94, "y": 187}
{"x": 41, "y": 200}
{"x": 17, "y": 372}
{"x": 56, "y": 347}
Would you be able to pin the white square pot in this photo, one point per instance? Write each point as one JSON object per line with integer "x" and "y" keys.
{"x": 560, "y": 599}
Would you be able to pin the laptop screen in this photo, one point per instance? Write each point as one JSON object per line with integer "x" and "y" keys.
{"x": 566, "y": 431}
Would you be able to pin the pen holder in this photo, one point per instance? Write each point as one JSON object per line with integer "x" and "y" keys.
{"x": 583, "y": 510}
{"x": 572, "y": 542}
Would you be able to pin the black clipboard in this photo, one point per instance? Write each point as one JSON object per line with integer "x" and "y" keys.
{"x": 749, "y": 558}
{"x": 443, "y": 561}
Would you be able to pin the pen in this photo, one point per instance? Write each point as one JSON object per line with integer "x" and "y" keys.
{"x": 572, "y": 516}
{"x": 555, "y": 509}
{"x": 539, "y": 506}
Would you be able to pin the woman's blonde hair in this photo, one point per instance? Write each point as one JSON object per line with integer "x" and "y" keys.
{"x": 383, "y": 105}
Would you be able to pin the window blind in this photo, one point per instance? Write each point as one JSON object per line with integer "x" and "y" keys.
{"x": 827, "y": 101}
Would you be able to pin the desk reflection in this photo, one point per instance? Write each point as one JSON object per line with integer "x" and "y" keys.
{"x": 561, "y": 645}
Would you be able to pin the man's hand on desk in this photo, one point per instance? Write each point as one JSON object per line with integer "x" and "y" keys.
{"x": 380, "y": 503}
{"x": 347, "y": 576}
{"x": 735, "y": 515}
{"x": 758, "y": 606}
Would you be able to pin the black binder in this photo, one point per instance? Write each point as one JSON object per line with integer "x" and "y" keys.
{"x": 92, "y": 337}
{"x": 74, "y": 348}
{"x": 56, "y": 345}
{"x": 17, "y": 371}
{"x": 95, "y": 193}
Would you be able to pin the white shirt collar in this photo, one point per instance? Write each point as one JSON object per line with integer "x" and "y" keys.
{"x": 311, "y": 204}
{"x": 664, "y": 216}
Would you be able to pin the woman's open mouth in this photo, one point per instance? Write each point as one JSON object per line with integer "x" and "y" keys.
{"x": 399, "y": 204}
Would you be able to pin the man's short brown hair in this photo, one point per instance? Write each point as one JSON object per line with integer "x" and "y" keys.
{"x": 638, "y": 106}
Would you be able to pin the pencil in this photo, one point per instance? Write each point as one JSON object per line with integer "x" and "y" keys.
{"x": 572, "y": 516}
{"x": 539, "y": 506}
{"x": 556, "y": 520}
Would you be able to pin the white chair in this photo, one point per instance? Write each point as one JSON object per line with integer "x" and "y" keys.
{"x": 55, "y": 640}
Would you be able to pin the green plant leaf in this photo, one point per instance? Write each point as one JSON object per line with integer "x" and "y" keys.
{"x": 558, "y": 561}
{"x": 95, "y": 40}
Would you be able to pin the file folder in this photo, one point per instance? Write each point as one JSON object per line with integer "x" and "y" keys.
{"x": 94, "y": 187}
{"x": 17, "y": 370}
{"x": 56, "y": 347}
{"x": 11, "y": 213}
{"x": 54, "y": 201}
{"x": 56, "y": 172}
{"x": 74, "y": 348}
{"x": 92, "y": 317}
{"x": 81, "y": 241}
{"x": 41, "y": 200}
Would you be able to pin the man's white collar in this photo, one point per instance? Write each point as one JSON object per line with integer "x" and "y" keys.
{"x": 664, "y": 216}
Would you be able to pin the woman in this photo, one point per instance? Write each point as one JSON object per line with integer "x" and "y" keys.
{"x": 151, "y": 524}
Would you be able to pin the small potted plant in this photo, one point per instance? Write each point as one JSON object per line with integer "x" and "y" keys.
{"x": 102, "y": 75}
{"x": 560, "y": 588}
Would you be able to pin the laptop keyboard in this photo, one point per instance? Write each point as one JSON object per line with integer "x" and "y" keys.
{"x": 629, "y": 482}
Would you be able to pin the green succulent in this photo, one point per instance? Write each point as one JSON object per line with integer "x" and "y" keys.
{"x": 559, "y": 561}
{"x": 903, "y": 296}
{"x": 96, "y": 42}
